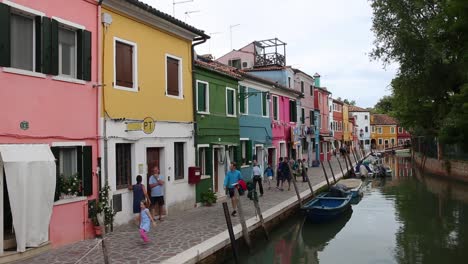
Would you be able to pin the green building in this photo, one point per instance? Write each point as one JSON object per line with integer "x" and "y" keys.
{"x": 217, "y": 123}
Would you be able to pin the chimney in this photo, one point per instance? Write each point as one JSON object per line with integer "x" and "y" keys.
{"x": 317, "y": 80}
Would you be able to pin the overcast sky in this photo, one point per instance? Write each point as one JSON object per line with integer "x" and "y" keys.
{"x": 331, "y": 37}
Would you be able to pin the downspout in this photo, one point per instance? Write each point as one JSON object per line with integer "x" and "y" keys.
{"x": 103, "y": 108}
{"x": 199, "y": 40}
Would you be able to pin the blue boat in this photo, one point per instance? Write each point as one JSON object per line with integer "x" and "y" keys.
{"x": 325, "y": 208}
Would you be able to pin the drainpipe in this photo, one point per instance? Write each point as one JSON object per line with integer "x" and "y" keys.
{"x": 199, "y": 40}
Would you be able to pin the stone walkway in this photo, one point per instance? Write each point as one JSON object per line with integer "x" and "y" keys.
{"x": 177, "y": 233}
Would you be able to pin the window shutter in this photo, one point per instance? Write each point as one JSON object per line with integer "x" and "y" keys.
{"x": 87, "y": 170}
{"x": 172, "y": 76}
{"x": 79, "y": 54}
{"x": 38, "y": 24}
{"x": 46, "y": 45}
{"x": 208, "y": 161}
{"x": 54, "y": 47}
{"x": 56, "y": 152}
{"x": 230, "y": 102}
{"x": 294, "y": 111}
{"x": 201, "y": 97}
{"x": 79, "y": 164}
{"x": 275, "y": 107}
{"x": 87, "y": 57}
{"x": 5, "y": 59}
{"x": 264, "y": 104}
{"x": 249, "y": 151}
{"x": 124, "y": 64}
{"x": 242, "y": 100}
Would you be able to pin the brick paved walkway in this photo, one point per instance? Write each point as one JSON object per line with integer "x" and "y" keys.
{"x": 177, "y": 233}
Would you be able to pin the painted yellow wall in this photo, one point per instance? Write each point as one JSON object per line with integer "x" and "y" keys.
{"x": 386, "y": 134}
{"x": 152, "y": 46}
{"x": 347, "y": 131}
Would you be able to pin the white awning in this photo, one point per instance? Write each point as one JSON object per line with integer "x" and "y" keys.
{"x": 30, "y": 179}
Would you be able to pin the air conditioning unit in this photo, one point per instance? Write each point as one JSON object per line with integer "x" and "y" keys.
{"x": 245, "y": 65}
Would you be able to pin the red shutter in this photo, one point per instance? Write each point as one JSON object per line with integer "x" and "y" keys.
{"x": 124, "y": 64}
{"x": 172, "y": 77}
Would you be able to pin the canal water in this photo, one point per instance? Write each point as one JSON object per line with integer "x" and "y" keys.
{"x": 407, "y": 218}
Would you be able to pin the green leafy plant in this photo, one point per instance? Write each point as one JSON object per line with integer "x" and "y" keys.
{"x": 93, "y": 211}
{"x": 68, "y": 185}
{"x": 208, "y": 197}
{"x": 105, "y": 206}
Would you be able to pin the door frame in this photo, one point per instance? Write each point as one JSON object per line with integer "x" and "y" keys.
{"x": 219, "y": 148}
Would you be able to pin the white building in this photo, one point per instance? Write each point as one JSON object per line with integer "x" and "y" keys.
{"x": 362, "y": 118}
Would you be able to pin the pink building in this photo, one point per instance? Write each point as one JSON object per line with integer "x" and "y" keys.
{"x": 403, "y": 136}
{"x": 337, "y": 126}
{"x": 49, "y": 98}
{"x": 283, "y": 122}
{"x": 321, "y": 95}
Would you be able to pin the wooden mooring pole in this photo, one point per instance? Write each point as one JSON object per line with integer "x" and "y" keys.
{"x": 331, "y": 170}
{"x": 245, "y": 230}
{"x": 260, "y": 216}
{"x": 341, "y": 168}
{"x": 293, "y": 177}
{"x": 231, "y": 232}
{"x": 310, "y": 186}
{"x": 325, "y": 173}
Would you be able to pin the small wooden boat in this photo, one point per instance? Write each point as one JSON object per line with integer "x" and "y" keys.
{"x": 325, "y": 208}
{"x": 353, "y": 186}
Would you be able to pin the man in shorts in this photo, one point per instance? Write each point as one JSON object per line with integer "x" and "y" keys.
{"x": 156, "y": 183}
{"x": 230, "y": 183}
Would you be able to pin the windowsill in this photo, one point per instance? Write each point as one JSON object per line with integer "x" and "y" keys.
{"x": 134, "y": 90}
{"x": 68, "y": 79}
{"x": 203, "y": 113}
{"x": 175, "y": 97}
{"x": 70, "y": 200}
{"x": 180, "y": 181}
{"x": 24, "y": 72}
{"x": 204, "y": 177}
{"x": 231, "y": 116}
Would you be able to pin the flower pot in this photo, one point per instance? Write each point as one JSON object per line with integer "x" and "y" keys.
{"x": 98, "y": 231}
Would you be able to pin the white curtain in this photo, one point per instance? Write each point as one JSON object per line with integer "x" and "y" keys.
{"x": 30, "y": 179}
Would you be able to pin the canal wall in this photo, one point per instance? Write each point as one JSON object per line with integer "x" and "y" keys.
{"x": 453, "y": 169}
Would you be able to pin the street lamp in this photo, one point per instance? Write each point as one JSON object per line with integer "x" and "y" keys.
{"x": 230, "y": 30}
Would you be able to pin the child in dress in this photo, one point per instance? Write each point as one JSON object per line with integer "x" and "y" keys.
{"x": 145, "y": 219}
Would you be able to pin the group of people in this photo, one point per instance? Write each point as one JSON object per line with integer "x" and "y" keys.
{"x": 144, "y": 206}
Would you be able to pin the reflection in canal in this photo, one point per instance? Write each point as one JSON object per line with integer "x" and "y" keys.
{"x": 406, "y": 218}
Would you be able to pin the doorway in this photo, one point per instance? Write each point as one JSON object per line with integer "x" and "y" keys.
{"x": 152, "y": 160}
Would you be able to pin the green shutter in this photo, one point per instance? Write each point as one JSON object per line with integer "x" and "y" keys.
{"x": 87, "y": 170}
{"x": 208, "y": 162}
{"x": 264, "y": 104}
{"x": 303, "y": 115}
{"x": 5, "y": 59}
{"x": 201, "y": 105}
{"x": 79, "y": 163}
{"x": 242, "y": 99}
{"x": 87, "y": 57}
{"x": 79, "y": 54}
{"x": 38, "y": 22}
{"x": 54, "y": 58}
{"x": 56, "y": 152}
{"x": 46, "y": 45}
{"x": 230, "y": 100}
{"x": 275, "y": 108}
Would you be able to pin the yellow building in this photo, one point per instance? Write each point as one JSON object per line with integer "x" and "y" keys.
{"x": 347, "y": 133}
{"x": 383, "y": 131}
{"x": 147, "y": 102}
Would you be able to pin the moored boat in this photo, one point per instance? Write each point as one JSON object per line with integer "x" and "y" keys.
{"x": 354, "y": 186}
{"x": 324, "y": 208}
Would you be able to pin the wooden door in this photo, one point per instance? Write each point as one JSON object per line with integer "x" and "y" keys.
{"x": 152, "y": 160}
{"x": 215, "y": 169}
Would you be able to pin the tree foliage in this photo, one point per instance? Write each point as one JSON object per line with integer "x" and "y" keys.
{"x": 429, "y": 41}
{"x": 384, "y": 105}
{"x": 352, "y": 102}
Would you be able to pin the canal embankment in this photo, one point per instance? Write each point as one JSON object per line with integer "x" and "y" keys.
{"x": 449, "y": 168}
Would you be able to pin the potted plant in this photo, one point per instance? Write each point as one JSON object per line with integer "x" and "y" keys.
{"x": 93, "y": 212}
{"x": 105, "y": 207}
{"x": 208, "y": 198}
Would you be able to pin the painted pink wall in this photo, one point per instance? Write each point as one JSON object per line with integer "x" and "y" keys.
{"x": 245, "y": 54}
{"x": 281, "y": 130}
{"x": 338, "y": 117}
{"x": 308, "y": 101}
{"x": 57, "y": 111}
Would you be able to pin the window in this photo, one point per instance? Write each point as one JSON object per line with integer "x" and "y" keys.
{"x": 373, "y": 129}
{"x": 311, "y": 90}
{"x": 67, "y": 52}
{"x": 311, "y": 118}
{"x": 173, "y": 76}
{"x": 379, "y": 130}
{"x": 202, "y": 158}
{"x": 246, "y": 149}
{"x": 365, "y": 117}
{"x": 236, "y": 63}
{"x": 123, "y": 164}
{"x": 380, "y": 141}
{"x": 264, "y": 105}
{"x": 275, "y": 108}
{"x": 289, "y": 82}
{"x": 179, "y": 168}
{"x": 341, "y": 125}
{"x": 302, "y": 86}
{"x": 22, "y": 42}
{"x": 319, "y": 99}
{"x": 232, "y": 152}
{"x": 203, "y": 97}
{"x": 367, "y": 129}
{"x": 292, "y": 111}
{"x": 400, "y": 130}
{"x": 367, "y": 142}
{"x": 243, "y": 100}
{"x": 74, "y": 162}
{"x": 392, "y": 130}
{"x": 303, "y": 115}
{"x": 230, "y": 102}
{"x": 320, "y": 121}
{"x": 393, "y": 141}
{"x": 125, "y": 65}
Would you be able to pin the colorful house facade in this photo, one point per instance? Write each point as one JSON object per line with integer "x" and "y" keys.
{"x": 147, "y": 102}
{"x": 362, "y": 119}
{"x": 403, "y": 136}
{"x": 337, "y": 108}
{"x": 347, "y": 129}
{"x": 384, "y": 131}
{"x": 217, "y": 123}
{"x": 321, "y": 95}
{"x": 48, "y": 59}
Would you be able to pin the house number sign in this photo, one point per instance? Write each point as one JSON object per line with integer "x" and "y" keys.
{"x": 24, "y": 125}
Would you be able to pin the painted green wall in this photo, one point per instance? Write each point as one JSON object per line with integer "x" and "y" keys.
{"x": 216, "y": 126}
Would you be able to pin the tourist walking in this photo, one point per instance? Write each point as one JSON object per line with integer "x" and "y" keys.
{"x": 279, "y": 174}
{"x": 156, "y": 183}
{"x": 287, "y": 172}
{"x": 305, "y": 177}
{"x": 231, "y": 182}
{"x": 139, "y": 194}
{"x": 269, "y": 175}
{"x": 145, "y": 219}
{"x": 257, "y": 177}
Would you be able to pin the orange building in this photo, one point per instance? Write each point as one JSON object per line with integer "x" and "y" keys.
{"x": 383, "y": 131}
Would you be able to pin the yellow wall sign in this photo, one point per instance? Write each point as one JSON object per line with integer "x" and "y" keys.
{"x": 148, "y": 125}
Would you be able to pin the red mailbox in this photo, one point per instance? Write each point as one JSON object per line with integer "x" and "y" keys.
{"x": 194, "y": 175}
